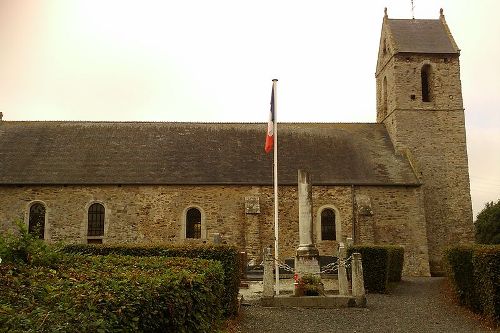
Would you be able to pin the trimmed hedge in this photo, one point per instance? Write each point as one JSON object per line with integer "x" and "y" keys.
{"x": 397, "y": 258}
{"x": 112, "y": 294}
{"x": 381, "y": 264}
{"x": 475, "y": 275}
{"x": 225, "y": 254}
{"x": 460, "y": 271}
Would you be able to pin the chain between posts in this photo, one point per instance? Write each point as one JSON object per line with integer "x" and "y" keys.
{"x": 330, "y": 268}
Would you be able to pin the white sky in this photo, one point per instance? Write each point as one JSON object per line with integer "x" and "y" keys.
{"x": 214, "y": 60}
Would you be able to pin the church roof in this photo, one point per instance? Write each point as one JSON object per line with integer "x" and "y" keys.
{"x": 422, "y": 36}
{"x": 50, "y": 153}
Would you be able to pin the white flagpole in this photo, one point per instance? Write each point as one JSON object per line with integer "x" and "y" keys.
{"x": 275, "y": 167}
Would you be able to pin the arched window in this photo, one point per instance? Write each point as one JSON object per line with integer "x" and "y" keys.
{"x": 426, "y": 83}
{"x": 328, "y": 231}
{"x": 193, "y": 223}
{"x": 37, "y": 220}
{"x": 96, "y": 221}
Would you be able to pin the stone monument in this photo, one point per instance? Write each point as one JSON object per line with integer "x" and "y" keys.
{"x": 307, "y": 258}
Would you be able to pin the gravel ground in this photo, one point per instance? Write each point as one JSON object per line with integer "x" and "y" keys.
{"x": 414, "y": 305}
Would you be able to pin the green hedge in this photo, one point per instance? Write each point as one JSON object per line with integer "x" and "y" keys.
{"x": 112, "y": 294}
{"x": 381, "y": 264}
{"x": 475, "y": 275}
{"x": 227, "y": 255}
{"x": 397, "y": 258}
{"x": 460, "y": 271}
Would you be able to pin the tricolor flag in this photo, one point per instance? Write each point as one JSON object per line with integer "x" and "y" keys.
{"x": 270, "y": 125}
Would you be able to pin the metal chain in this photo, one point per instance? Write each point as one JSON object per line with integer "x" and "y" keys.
{"x": 330, "y": 268}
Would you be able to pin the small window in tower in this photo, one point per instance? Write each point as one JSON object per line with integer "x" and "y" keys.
{"x": 426, "y": 83}
{"x": 385, "y": 47}
{"x": 412, "y": 97}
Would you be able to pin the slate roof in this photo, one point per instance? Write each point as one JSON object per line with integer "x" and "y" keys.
{"x": 422, "y": 36}
{"x": 196, "y": 153}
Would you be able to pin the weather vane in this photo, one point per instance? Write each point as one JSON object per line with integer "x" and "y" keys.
{"x": 412, "y": 10}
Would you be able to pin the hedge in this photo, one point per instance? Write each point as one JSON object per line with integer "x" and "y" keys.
{"x": 474, "y": 272}
{"x": 460, "y": 272}
{"x": 112, "y": 294}
{"x": 227, "y": 255}
{"x": 381, "y": 264}
{"x": 397, "y": 258}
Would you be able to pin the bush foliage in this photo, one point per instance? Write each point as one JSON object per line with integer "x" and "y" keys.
{"x": 22, "y": 247}
{"x": 112, "y": 294}
{"x": 474, "y": 272}
{"x": 487, "y": 224}
{"x": 381, "y": 264}
{"x": 226, "y": 255}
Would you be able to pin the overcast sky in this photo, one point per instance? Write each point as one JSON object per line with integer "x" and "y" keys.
{"x": 214, "y": 61}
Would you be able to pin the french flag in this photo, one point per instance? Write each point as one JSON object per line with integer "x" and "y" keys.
{"x": 270, "y": 126}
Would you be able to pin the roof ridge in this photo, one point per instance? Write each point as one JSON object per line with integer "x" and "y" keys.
{"x": 179, "y": 122}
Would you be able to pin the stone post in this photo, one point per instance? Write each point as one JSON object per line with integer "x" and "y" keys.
{"x": 268, "y": 279}
{"x": 342, "y": 273}
{"x": 306, "y": 260}
{"x": 358, "y": 286}
{"x": 217, "y": 238}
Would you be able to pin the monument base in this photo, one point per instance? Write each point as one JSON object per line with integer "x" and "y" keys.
{"x": 318, "y": 302}
{"x": 307, "y": 260}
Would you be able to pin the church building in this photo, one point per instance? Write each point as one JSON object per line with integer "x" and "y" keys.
{"x": 403, "y": 180}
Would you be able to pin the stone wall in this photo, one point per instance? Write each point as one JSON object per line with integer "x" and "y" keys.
{"x": 397, "y": 218}
{"x": 441, "y": 161}
{"x": 146, "y": 214}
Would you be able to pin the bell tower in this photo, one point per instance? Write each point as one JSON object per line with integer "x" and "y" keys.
{"x": 419, "y": 100}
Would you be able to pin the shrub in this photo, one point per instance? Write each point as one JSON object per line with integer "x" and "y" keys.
{"x": 113, "y": 293}
{"x": 487, "y": 224}
{"x": 474, "y": 272}
{"x": 396, "y": 262}
{"x": 25, "y": 248}
{"x": 486, "y": 263}
{"x": 227, "y": 255}
{"x": 375, "y": 266}
{"x": 381, "y": 264}
{"x": 461, "y": 272}
{"x": 311, "y": 285}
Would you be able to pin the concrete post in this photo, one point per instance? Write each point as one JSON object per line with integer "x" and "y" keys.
{"x": 358, "y": 286}
{"x": 342, "y": 273}
{"x": 307, "y": 259}
{"x": 268, "y": 279}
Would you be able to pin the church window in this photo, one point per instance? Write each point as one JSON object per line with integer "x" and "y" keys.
{"x": 426, "y": 84}
{"x": 193, "y": 223}
{"x": 96, "y": 222}
{"x": 37, "y": 220}
{"x": 328, "y": 231}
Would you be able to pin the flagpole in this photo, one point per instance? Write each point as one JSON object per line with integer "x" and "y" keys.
{"x": 275, "y": 167}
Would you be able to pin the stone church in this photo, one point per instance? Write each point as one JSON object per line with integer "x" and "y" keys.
{"x": 403, "y": 180}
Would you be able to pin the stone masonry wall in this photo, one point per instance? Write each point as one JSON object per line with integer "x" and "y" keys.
{"x": 441, "y": 161}
{"x": 398, "y": 219}
{"x": 145, "y": 214}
